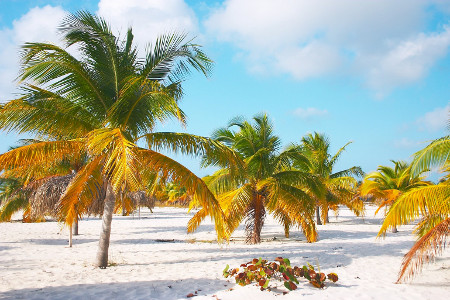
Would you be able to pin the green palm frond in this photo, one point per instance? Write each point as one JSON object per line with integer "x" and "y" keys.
{"x": 11, "y": 206}
{"x": 188, "y": 144}
{"x": 437, "y": 153}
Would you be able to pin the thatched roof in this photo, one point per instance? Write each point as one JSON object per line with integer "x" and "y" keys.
{"x": 45, "y": 197}
{"x": 44, "y": 200}
{"x": 141, "y": 198}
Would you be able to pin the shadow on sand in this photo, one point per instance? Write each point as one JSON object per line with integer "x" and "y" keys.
{"x": 158, "y": 289}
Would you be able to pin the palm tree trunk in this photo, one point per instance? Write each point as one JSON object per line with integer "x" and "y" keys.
{"x": 394, "y": 229}
{"x": 70, "y": 236}
{"x": 286, "y": 229}
{"x": 318, "y": 220}
{"x": 325, "y": 216}
{"x": 103, "y": 245}
{"x": 75, "y": 227}
{"x": 257, "y": 221}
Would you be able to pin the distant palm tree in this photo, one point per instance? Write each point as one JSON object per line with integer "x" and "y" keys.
{"x": 387, "y": 184}
{"x": 101, "y": 102}
{"x": 430, "y": 203}
{"x": 339, "y": 186}
{"x": 266, "y": 183}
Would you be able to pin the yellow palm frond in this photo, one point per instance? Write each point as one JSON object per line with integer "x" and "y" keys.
{"x": 195, "y": 221}
{"x": 170, "y": 169}
{"x": 235, "y": 204}
{"x": 80, "y": 192}
{"x": 121, "y": 166}
{"x": 40, "y": 154}
{"x": 433, "y": 199}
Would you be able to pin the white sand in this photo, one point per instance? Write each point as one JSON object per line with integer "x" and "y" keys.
{"x": 35, "y": 262}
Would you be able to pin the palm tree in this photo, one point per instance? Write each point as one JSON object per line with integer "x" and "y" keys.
{"x": 266, "y": 183}
{"x": 430, "y": 203}
{"x": 388, "y": 184}
{"x": 340, "y": 186}
{"x": 13, "y": 198}
{"x": 102, "y": 104}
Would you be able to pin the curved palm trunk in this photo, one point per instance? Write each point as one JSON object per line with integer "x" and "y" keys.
{"x": 103, "y": 245}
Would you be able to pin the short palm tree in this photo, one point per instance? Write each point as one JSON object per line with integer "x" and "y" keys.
{"x": 339, "y": 186}
{"x": 266, "y": 183}
{"x": 430, "y": 204}
{"x": 101, "y": 103}
{"x": 387, "y": 184}
{"x": 13, "y": 198}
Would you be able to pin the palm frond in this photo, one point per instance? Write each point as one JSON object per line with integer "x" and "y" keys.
{"x": 424, "y": 250}
{"x": 82, "y": 188}
{"x": 434, "y": 199}
{"x": 437, "y": 153}
{"x": 170, "y": 169}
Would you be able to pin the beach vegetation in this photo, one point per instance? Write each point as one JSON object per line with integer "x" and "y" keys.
{"x": 262, "y": 272}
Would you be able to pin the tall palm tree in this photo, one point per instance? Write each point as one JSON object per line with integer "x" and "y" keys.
{"x": 430, "y": 204}
{"x": 102, "y": 102}
{"x": 266, "y": 183}
{"x": 387, "y": 184}
{"x": 340, "y": 186}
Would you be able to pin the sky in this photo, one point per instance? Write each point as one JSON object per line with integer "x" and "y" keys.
{"x": 376, "y": 73}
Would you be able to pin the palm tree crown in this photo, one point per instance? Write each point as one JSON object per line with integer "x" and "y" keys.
{"x": 387, "y": 184}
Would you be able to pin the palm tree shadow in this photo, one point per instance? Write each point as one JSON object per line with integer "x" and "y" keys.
{"x": 60, "y": 242}
{"x": 157, "y": 289}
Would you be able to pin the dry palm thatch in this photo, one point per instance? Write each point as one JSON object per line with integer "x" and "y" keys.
{"x": 46, "y": 195}
{"x": 140, "y": 198}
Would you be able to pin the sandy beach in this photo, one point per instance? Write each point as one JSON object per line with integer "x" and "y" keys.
{"x": 153, "y": 258}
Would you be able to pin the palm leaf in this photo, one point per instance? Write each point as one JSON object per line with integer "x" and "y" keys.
{"x": 424, "y": 250}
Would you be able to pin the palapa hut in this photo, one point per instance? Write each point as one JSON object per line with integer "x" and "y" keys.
{"x": 45, "y": 199}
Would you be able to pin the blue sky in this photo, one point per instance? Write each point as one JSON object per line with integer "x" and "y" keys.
{"x": 373, "y": 72}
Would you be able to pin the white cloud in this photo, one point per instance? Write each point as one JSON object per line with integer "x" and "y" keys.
{"x": 435, "y": 120}
{"x": 309, "y": 113}
{"x": 149, "y": 18}
{"x": 38, "y": 25}
{"x": 406, "y": 143}
{"x": 408, "y": 61}
{"x": 379, "y": 40}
